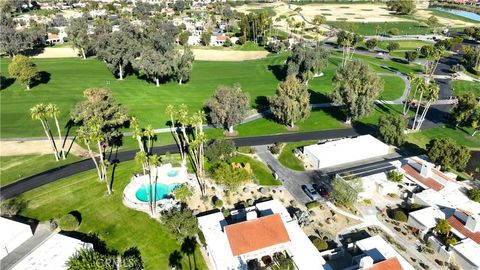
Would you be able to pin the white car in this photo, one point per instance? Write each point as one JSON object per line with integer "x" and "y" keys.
{"x": 311, "y": 192}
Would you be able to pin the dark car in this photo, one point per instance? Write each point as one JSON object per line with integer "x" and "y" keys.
{"x": 321, "y": 190}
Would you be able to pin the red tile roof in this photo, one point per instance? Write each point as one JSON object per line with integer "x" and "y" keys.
{"x": 52, "y": 36}
{"x": 248, "y": 236}
{"x": 389, "y": 264}
{"x": 429, "y": 182}
{"x": 458, "y": 225}
{"x": 221, "y": 38}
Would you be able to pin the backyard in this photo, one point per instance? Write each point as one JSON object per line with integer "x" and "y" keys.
{"x": 106, "y": 217}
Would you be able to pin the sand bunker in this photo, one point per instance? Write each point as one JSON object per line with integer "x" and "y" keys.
{"x": 220, "y": 55}
{"x": 51, "y": 52}
{"x": 33, "y": 147}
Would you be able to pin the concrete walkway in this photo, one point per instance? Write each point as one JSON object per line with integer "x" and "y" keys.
{"x": 42, "y": 233}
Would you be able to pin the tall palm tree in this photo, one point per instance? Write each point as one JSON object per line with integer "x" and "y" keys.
{"x": 153, "y": 163}
{"x": 54, "y": 112}
{"x": 137, "y": 133}
{"x": 422, "y": 87}
{"x": 196, "y": 147}
{"x": 141, "y": 159}
{"x": 39, "y": 112}
{"x": 413, "y": 81}
{"x": 149, "y": 132}
{"x": 431, "y": 96}
{"x": 171, "y": 111}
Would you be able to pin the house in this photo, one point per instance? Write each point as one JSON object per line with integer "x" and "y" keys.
{"x": 53, "y": 39}
{"x": 256, "y": 233}
{"x": 377, "y": 254}
{"x": 377, "y": 184}
{"x": 424, "y": 220}
{"x": 12, "y": 235}
{"x": 218, "y": 40}
{"x": 342, "y": 151}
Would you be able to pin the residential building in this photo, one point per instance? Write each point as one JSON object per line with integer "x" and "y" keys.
{"x": 255, "y": 233}
{"x": 12, "y": 235}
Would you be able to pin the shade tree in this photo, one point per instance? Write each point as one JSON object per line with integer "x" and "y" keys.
{"x": 41, "y": 112}
{"x": 371, "y": 43}
{"x": 23, "y": 69}
{"x": 391, "y": 129}
{"x": 401, "y": 6}
{"x": 356, "y": 87}
{"x": 184, "y": 66}
{"x": 78, "y": 35}
{"x": 348, "y": 41}
{"x": 465, "y": 108}
{"x": 447, "y": 153}
{"x": 180, "y": 222}
{"x": 305, "y": 63}
{"x": 156, "y": 65}
{"x": 291, "y": 102}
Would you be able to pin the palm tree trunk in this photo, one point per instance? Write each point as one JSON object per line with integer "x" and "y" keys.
{"x": 83, "y": 53}
{"x": 103, "y": 167}
{"x": 424, "y": 114}
{"x": 474, "y": 132}
{"x": 60, "y": 137}
{"x": 120, "y": 72}
{"x": 406, "y": 102}
{"x": 90, "y": 153}
{"x": 418, "y": 109}
{"x": 140, "y": 144}
{"x": 52, "y": 143}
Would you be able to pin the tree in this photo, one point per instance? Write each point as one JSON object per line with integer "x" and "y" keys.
{"x": 181, "y": 223}
{"x": 447, "y": 153}
{"x": 345, "y": 192}
{"x": 155, "y": 65}
{"x": 442, "y": 227}
{"x": 465, "y": 108}
{"x": 473, "y": 32}
{"x": 356, "y": 87}
{"x": 142, "y": 10}
{"x": 86, "y": 258}
{"x": 205, "y": 38}
{"x": 432, "y": 21}
{"x": 40, "y": 112}
{"x": 23, "y": 69}
{"x": 228, "y": 106}
{"x": 471, "y": 58}
{"x": 411, "y": 56}
{"x": 399, "y": 215}
{"x": 231, "y": 176}
{"x": 275, "y": 47}
{"x": 426, "y": 50}
{"x": 118, "y": 50}
{"x": 12, "y": 41}
{"x": 431, "y": 95}
{"x": 53, "y": 111}
{"x": 401, "y": 6}
{"x": 183, "y": 193}
{"x": 291, "y": 102}
{"x": 185, "y": 65}
{"x": 220, "y": 150}
{"x": 348, "y": 41}
{"x": 391, "y": 129}
{"x": 474, "y": 194}
{"x": 395, "y": 176}
{"x": 320, "y": 244}
{"x": 392, "y": 46}
{"x": 68, "y": 222}
{"x": 179, "y": 6}
{"x": 371, "y": 43}
{"x": 78, "y": 35}
{"x": 305, "y": 63}
{"x": 458, "y": 68}
{"x": 183, "y": 37}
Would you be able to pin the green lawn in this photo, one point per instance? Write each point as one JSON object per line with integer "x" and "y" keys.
{"x": 369, "y": 29}
{"x": 462, "y": 136}
{"x": 106, "y": 216}
{"x": 465, "y": 86}
{"x": 263, "y": 175}
{"x": 393, "y": 88}
{"x": 443, "y": 14}
{"x": 405, "y": 44}
{"x": 288, "y": 159}
{"x": 14, "y": 168}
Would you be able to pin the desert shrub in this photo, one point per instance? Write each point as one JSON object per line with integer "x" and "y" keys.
{"x": 12, "y": 207}
{"x": 218, "y": 203}
{"x": 393, "y": 31}
{"x": 311, "y": 205}
{"x": 320, "y": 244}
{"x": 201, "y": 238}
{"x": 276, "y": 148}
{"x": 400, "y": 216}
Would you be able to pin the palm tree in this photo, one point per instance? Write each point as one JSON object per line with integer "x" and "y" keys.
{"x": 39, "y": 112}
{"x": 137, "y": 133}
{"x": 196, "y": 147}
{"x": 150, "y": 134}
{"x": 53, "y": 111}
{"x": 171, "y": 111}
{"x": 183, "y": 121}
{"x": 153, "y": 163}
{"x": 413, "y": 81}
{"x": 431, "y": 95}
{"x": 141, "y": 159}
{"x": 422, "y": 87}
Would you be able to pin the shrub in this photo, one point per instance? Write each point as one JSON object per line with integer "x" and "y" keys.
{"x": 395, "y": 176}
{"x": 474, "y": 194}
{"x": 201, "y": 238}
{"x": 400, "y": 216}
{"x": 311, "y": 205}
{"x": 276, "y": 148}
{"x": 220, "y": 150}
{"x": 12, "y": 207}
{"x": 68, "y": 222}
{"x": 320, "y": 244}
{"x": 393, "y": 31}
{"x": 218, "y": 203}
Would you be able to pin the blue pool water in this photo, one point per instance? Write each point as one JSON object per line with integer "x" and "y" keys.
{"x": 466, "y": 14}
{"x": 172, "y": 173}
{"x": 162, "y": 191}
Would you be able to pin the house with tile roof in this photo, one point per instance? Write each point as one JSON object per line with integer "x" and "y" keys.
{"x": 255, "y": 235}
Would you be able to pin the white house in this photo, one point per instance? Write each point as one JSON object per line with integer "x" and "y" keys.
{"x": 12, "y": 235}
{"x": 377, "y": 183}
{"x": 260, "y": 230}
{"x": 344, "y": 151}
{"x": 218, "y": 40}
{"x": 377, "y": 254}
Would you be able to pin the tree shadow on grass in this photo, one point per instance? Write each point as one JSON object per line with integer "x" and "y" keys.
{"x": 43, "y": 78}
{"x": 5, "y": 83}
{"x": 279, "y": 71}
{"x": 262, "y": 104}
{"x": 175, "y": 260}
{"x": 317, "y": 97}
{"x": 335, "y": 111}
{"x": 188, "y": 247}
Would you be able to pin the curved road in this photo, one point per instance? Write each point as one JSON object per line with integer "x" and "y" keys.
{"x": 55, "y": 174}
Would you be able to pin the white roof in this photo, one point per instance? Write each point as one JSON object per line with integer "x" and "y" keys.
{"x": 379, "y": 250}
{"x": 428, "y": 217}
{"x": 470, "y": 250}
{"x": 347, "y": 150}
{"x": 12, "y": 234}
{"x": 450, "y": 197}
{"x": 51, "y": 254}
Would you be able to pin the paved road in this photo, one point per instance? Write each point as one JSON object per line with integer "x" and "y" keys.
{"x": 55, "y": 174}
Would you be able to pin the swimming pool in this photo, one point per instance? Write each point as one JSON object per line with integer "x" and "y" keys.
{"x": 172, "y": 173}
{"x": 162, "y": 190}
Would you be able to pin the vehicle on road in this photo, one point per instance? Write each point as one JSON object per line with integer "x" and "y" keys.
{"x": 321, "y": 190}
{"x": 311, "y": 192}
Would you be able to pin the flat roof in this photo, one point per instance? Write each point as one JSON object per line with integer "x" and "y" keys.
{"x": 379, "y": 250}
{"x": 469, "y": 250}
{"x": 251, "y": 235}
{"x": 53, "y": 253}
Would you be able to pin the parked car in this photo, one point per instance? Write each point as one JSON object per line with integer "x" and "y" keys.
{"x": 310, "y": 191}
{"x": 321, "y": 190}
